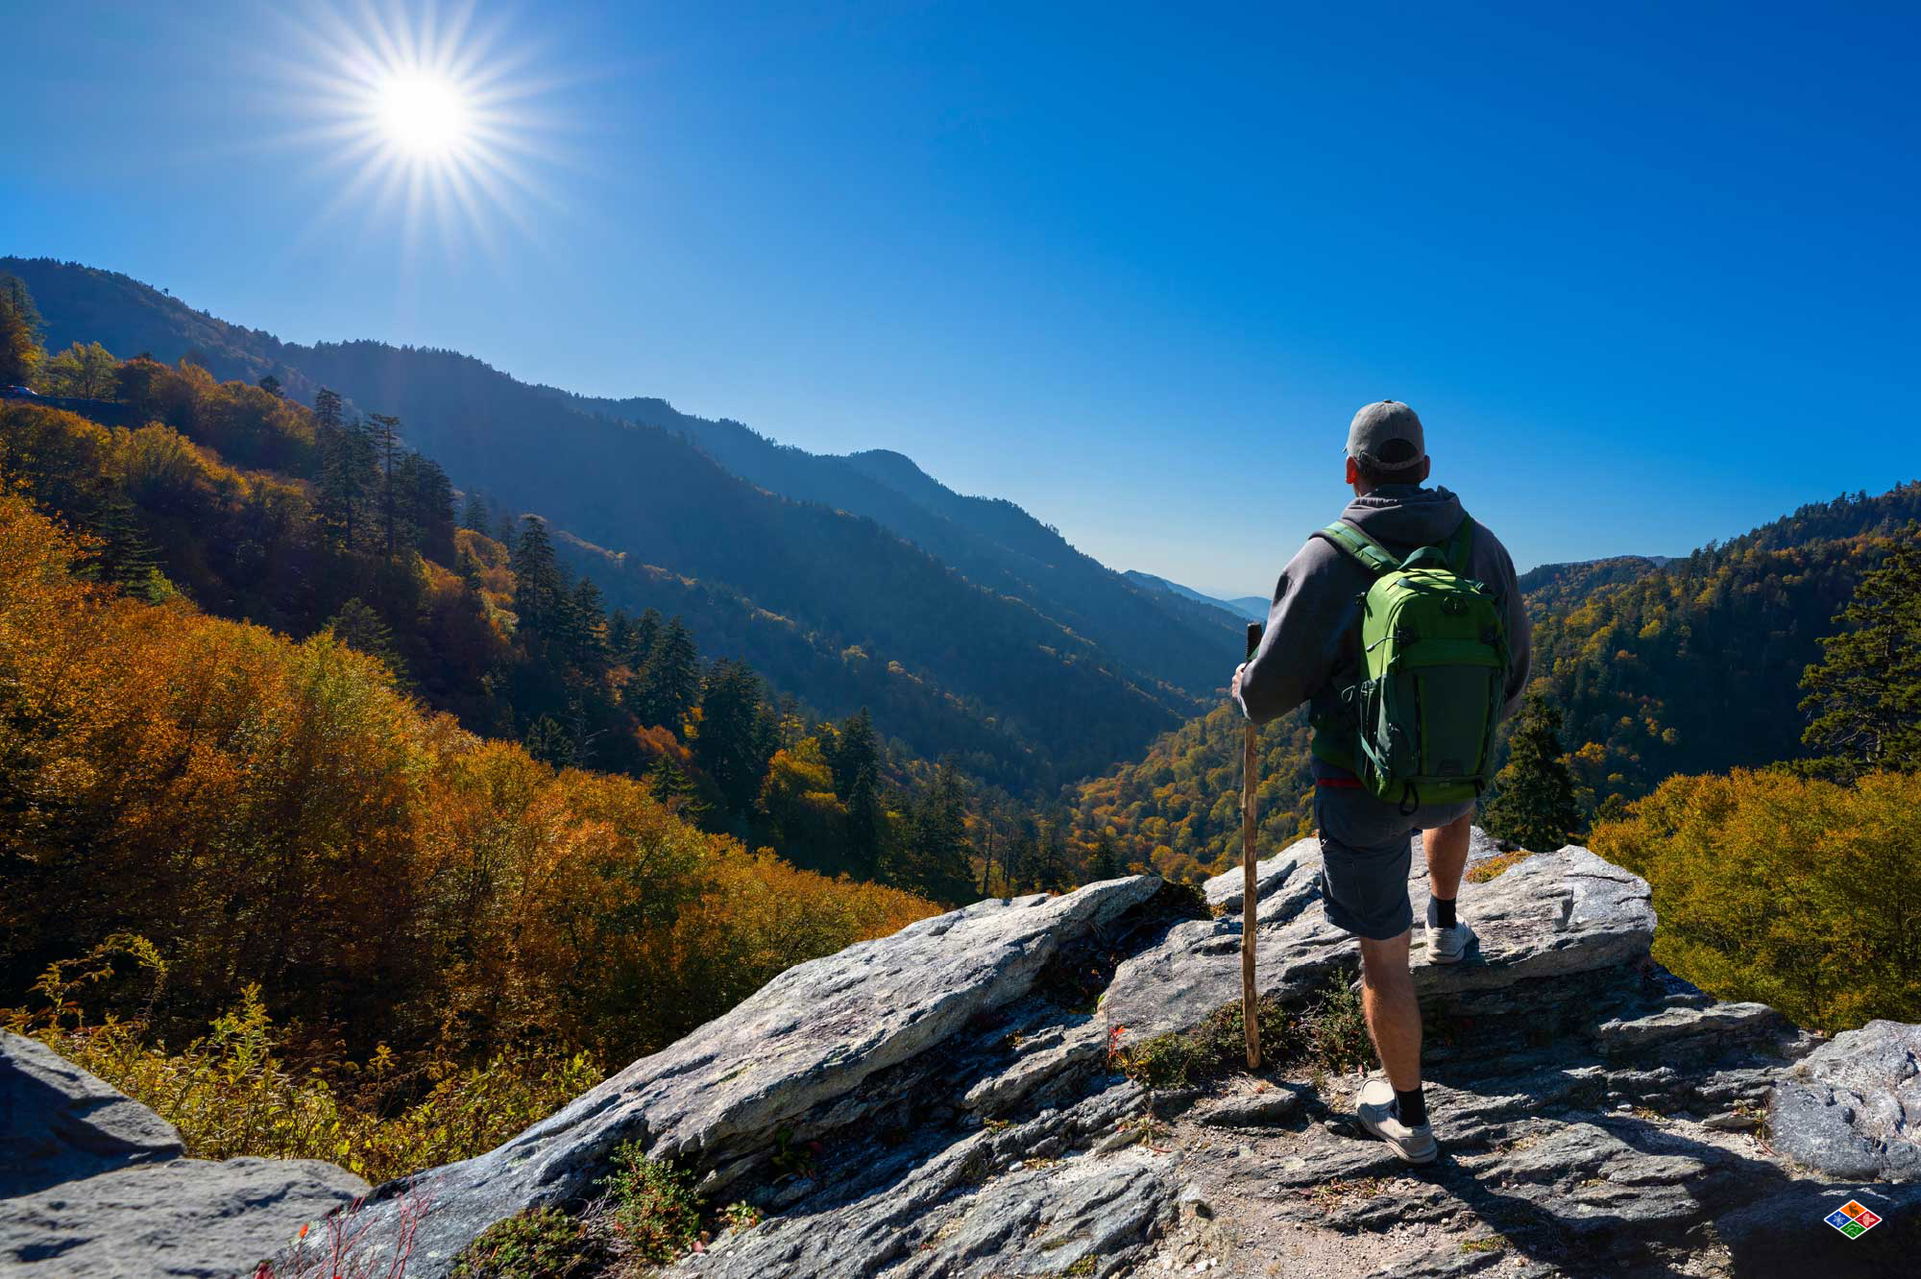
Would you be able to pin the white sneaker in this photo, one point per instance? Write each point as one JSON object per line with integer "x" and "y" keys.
{"x": 1374, "y": 1107}
{"x": 1447, "y": 945}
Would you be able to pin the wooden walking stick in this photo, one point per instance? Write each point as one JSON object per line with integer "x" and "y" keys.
{"x": 1250, "y": 908}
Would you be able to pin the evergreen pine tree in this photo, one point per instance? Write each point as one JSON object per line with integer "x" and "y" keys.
{"x": 647, "y": 633}
{"x": 20, "y": 352}
{"x": 348, "y": 477}
{"x": 360, "y": 628}
{"x": 1533, "y": 803}
{"x": 384, "y": 432}
{"x": 854, "y": 759}
{"x": 474, "y": 513}
{"x": 424, "y": 507}
{"x": 736, "y": 735}
{"x": 1106, "y": 862}
{"x": 672, "y": 787}
{"x": 127, "y": 560}
{"x": 670, "y": 687}
{"x": 585, "y": 626}
{"x": 327, "y": 409}
{"x": 548, "y": 740}
{"x": 932, "y": 856}
{"x": 1865, "y": 692}
{"x": 540, "y": 585}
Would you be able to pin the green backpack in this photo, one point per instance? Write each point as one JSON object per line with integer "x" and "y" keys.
{"x": 1434, "y": 663}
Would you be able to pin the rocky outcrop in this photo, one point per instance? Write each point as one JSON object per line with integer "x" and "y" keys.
{"x": 92, "y": 1183}
{"x": 1552, "y": 915}
{"x": 1852, "y": 1108}
{"x": 945, "y": 1102}
{"x": 942, "y": 1011}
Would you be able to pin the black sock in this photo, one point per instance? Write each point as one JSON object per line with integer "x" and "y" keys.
{"x": 1440, "y": 912}
{"x": 1411, "y": 1107}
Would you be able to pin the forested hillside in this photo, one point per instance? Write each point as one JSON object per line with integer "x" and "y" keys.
{"x": 1055, "y": 703}
{"x": 992, "y": 541}
{"x": 352, "y": 534}
{"x": 1659, "y": 668}
{"x": 260, "y": 810}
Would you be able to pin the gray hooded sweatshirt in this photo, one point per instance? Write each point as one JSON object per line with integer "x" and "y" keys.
{"x": 1311, "y": 651}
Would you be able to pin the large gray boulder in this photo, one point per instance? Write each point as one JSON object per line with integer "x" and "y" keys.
{"x": 823, "y": 1046}
{"x": 1551, "y": 915}
{"x": 92, "y": 1183}
{"x": 1850, "y": 1109}
{"x": 59, "y": 1124}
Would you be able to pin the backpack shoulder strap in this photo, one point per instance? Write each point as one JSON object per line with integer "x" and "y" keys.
{"x": 1460, "y": 547}
{"x": 1371, "y": 554}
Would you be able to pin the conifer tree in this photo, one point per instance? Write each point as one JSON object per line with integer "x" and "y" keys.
{"x": 1533, "y": 803}
{"x": 126, "y": 559}
{"x": 540, "y": 586}
{"x": 1106, "y": 863}
{"x": 672, "y": 787}
{"x": 384, "y": 431}
{"x": 348, "y": 477}
{"x": 424, "y": 507}
{"x": 585, "y": 628}
{"x": 360, "y": 628}
{"x": 1865, "y": 692}
{"x": 670, "y": 687}
{"x": 327, "y": 409}
{"x": 932, "y": 856}
{"x": 20, "y": 352}
{"x": 647, "y": 633}
{"x": 854, "y": 759}
{"x": 736, "y": 737}
{"x": 474, "y": 513}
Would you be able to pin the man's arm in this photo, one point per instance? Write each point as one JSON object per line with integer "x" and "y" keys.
{"x": 1302, "y": 641}
{"x": 1520, "y": 638}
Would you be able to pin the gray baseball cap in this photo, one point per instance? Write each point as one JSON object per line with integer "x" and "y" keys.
{"x": 1379, "y": 425}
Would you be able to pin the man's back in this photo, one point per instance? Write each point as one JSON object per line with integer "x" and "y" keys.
{"x": 1310, "y": 650}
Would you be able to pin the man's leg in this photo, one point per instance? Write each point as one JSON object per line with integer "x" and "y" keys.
{"x": 1447, "y": 855}
{"x": 1393, "y": 1014}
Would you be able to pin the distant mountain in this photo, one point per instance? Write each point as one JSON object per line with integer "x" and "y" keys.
{"x": 1554, "y": 588}
{"x": 1250, "y": 608}
{"x": 1050, "y": 697}
{"x": 993, "y": 542}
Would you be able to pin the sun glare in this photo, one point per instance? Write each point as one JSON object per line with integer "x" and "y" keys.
{"x": 426, "y": 117}
{"x": 423, "y": 115}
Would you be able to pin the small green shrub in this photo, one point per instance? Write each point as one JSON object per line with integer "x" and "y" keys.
{"x": 655, "y": 1209}
{"x": 231, "y": 1091}
{"x": 1482, "y": 871}
{"x": 1326, "y": 1032}
{"x": 1334, "y": 1028}
{"x": 541, "y": 1243}
{"x": 740, "y": 1216}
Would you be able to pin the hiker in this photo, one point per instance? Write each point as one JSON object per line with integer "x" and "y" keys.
{"x": 1368, "y": 798}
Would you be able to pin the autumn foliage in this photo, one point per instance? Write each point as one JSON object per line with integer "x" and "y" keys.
{"x": 1802, "y": 894}
{"x": 273, "y": 812}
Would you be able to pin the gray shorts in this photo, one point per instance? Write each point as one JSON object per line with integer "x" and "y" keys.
{"x": 1366, "y": 853}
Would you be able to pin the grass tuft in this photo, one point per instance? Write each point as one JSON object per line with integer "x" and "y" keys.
{"x": 541, "y": 1243}
{"x": 1325, "y": 1033}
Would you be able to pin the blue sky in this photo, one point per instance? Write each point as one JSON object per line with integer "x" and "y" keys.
{"x": 1646, "y": 270}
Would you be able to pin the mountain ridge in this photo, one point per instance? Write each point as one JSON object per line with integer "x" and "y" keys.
{"x": 648, "y": 492}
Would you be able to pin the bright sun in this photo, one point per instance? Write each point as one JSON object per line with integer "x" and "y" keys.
{"x": 425, "y": 116}
{"x": 436, "y": 118}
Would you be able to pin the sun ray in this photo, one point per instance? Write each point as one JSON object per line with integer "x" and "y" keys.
{"x": 431, "y": 118}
